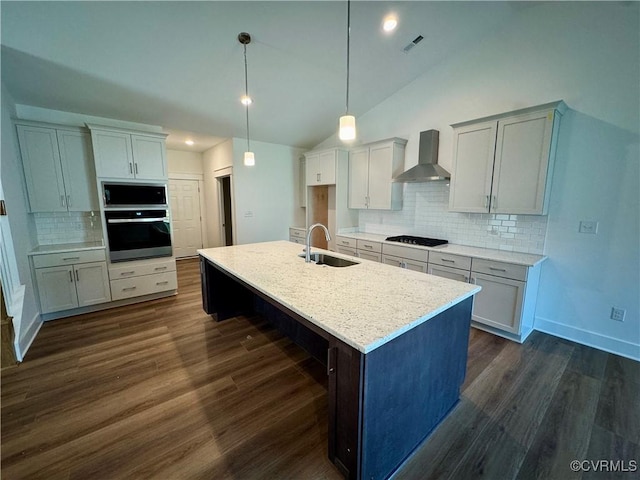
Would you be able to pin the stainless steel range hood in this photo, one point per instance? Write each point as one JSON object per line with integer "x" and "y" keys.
{"x": 427, "y": 169}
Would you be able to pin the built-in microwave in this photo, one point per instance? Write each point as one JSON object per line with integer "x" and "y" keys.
{"x": 136, "y": 195}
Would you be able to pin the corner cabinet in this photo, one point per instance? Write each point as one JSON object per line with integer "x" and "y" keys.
{"x": 504, "y": 163}
{"x": 371, "y": 170}
{"x": 129, "y": 155}
{"x": 58, "y": 167}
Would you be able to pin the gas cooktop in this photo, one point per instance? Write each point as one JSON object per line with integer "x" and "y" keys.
{"x": 422, "y": 241}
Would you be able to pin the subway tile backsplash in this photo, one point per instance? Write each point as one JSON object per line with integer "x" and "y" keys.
{"x": 425, "y": 213}
{"x": 68, "y": 227}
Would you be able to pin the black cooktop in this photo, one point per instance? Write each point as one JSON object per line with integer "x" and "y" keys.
{"x": 422, "y": 241}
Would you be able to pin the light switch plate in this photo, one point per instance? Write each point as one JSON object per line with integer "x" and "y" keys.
{"x": 587, "y": 226}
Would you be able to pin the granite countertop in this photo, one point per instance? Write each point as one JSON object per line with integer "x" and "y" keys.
{"x": 66, "y": 247}
{"x": 526, "y": 259}
{"x": 364, "y": 305}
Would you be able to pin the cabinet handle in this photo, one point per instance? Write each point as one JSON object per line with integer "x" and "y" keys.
{"x": 160, "y": 268}
{"x": 162, "y": 283}
{"x": 403, "y": 265}
{"x": 128, "y": 289}
{"x": 70, "y": 258}
{"x": 498, "y": 269}
{"x": 68, "y": 200}
{"x": 494, "y": 203}
{"x": 130, "y": 168}
{"x": 448, "y": 260}
{"x": 70, "y": 277}
{"x": 127, "y": 273}
{"x": 486, "y": 202}
{"x": 62, "y": 204}
{"x": 466, "y": 279}
{"x": 472, "y": 280}
{"x": 344, "y": 242}
{"x": 330, "y": 356}
{"x": 317, "y": 177}
{"x": 77, "y": 276}
{"x": 136, "y": 167}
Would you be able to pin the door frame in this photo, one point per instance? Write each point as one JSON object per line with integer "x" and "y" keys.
{"x": 219, "y": 175}
{"x": 203, "y": 214}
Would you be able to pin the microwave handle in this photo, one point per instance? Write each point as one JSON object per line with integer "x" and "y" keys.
{"x": 137, "y": 220}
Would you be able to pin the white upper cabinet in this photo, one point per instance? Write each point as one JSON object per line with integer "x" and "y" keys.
{"x": 504, "y": 164}
{"x": 371, "y": 170}
{"x": 129, "y": 155}
{"x": 58, "y": 167}
{"x": 321, "y": 167}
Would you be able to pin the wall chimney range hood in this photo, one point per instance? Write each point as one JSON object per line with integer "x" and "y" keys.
{"x": 427, "y": 169}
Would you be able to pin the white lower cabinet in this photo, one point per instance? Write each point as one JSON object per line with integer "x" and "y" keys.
{"x": 410, "y": 258}
{"x": 297, "y": 235}
{"x": 499, "y": 303}
{"x": 448, "y": 272}
{"x": 369, "y": 250}
{"x": 142, "y": 277}
{"x": 71, "y": 280}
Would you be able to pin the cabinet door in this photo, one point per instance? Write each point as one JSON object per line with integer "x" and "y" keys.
{"x": 391, "y": 260}
{"x": 92, "y": 283}
{"x": 499, "y": 303}
{"x": 42, "y": 170}
{"x": 149, "y": 157}
{"x": 522, "y": 159}
{"x": 448, "y": 272}
{"x": 112, "y": 152}
{"x": 78, "y": 170}
{"x": 327, "y": 166}
{"x": 473, "y": 154}
{"x": 415, "y": 265}
{"x": 57, "y": 288}
{"x": 374, "y": 257}
{"x": 346, "y": 251}
{"x": 380, "y": 174}
{"x": 358, "y": 178}
{"x": 312, "y": 169}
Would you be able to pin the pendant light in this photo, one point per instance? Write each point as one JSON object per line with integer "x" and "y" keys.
{"x": 245, "y": 39}
{"x": 347, "y": 129}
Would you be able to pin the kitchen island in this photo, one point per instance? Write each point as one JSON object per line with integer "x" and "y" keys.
{"x": 394, "y": 341}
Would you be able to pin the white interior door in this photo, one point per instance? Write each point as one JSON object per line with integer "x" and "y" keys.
{"x": 185, "y": 217}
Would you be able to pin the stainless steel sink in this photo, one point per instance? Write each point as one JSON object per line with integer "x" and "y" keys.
{"x": 324, "y": 259}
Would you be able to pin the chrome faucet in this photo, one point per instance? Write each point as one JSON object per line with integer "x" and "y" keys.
{"x": 307, "y": 257}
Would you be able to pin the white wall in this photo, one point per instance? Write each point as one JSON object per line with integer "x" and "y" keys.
{"x": 20, "y": 227}
{"x": 215, "y": 160}
{"x": 179, "y": 161}
{"x": 587, "y": 54}
{"x": 265, "y": 194}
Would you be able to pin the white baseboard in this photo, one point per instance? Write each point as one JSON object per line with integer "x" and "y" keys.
{"x": 591, "y": 339}
{"x": 23, "y": 343}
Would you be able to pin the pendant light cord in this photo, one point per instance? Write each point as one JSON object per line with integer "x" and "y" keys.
{"x": 348, "y": 49}
{"x": 246, "y": 93}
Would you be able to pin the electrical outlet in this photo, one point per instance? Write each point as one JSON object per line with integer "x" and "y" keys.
{"x": 617, "y": 314}
{"x": 588, "y": 227}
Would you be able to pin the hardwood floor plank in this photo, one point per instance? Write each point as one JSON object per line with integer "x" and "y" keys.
{"x": 606, "y": 445}
{"x": 618, "y": 410}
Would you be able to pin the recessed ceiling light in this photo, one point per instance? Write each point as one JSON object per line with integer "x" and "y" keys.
{"x": 246, "y": 100}
{"x": 189, "y": 142}
{"x": 390, "y": 23}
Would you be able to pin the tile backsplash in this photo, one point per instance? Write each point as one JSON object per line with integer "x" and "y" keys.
{"x": 425, "y": 213}
{"x": 68, "y": 227}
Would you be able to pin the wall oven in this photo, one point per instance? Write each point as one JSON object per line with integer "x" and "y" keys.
{"x": 138, "y": 234}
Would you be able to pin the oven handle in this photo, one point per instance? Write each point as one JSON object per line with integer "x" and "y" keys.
{"x": 137, "y": 220}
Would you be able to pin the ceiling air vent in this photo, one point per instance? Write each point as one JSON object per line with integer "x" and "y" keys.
{"x": 413, "y": 43}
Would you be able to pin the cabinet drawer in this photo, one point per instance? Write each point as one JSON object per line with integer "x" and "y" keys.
{"x": 374, "y": 257}
{"x": 367, "y": 246}
{"x": 346, "y": 250}
{"x": 68, "y": 258}
{"x": 405, "y": 252}
{"x": 500, "y": 269}
{"x": 144, "y": 285}
{"x": 134, "y": 269}
{"x": 449, "y": 272}
{"x": 346, "y": 241}
{"x": 297, "y": 232}
{"x": 299, "y": 240}
{"x": 448, "y": 260}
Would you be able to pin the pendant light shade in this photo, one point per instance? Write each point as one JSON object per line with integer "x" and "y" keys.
{"x": 347, "y": 127}
{"x": 347, "y": 130}
{"x": 245, "y": 39}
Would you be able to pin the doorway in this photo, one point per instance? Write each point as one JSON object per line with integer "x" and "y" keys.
{"x": 186, "y": 217}
{"x": 226, "y": 225}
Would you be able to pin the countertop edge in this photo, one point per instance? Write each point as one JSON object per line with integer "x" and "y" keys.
{"x": 65, "y": 248}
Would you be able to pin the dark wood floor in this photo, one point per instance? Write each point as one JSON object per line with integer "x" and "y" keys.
{"x": 159, "y": 390}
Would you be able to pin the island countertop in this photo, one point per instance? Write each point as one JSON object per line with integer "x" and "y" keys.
{"x": 364, "y": 305}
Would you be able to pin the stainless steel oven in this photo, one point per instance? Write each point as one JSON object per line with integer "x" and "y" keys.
{"x": 138, "y": 233}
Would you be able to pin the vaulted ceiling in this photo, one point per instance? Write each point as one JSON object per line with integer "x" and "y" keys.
{"x": 180, "y": 65}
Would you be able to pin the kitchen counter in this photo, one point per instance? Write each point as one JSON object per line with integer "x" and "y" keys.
{"x": 518, "y": 258}
{"x": 394, "y": 341}
{"x": 364, "y": 305}
{"x": 66, "y": 247}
